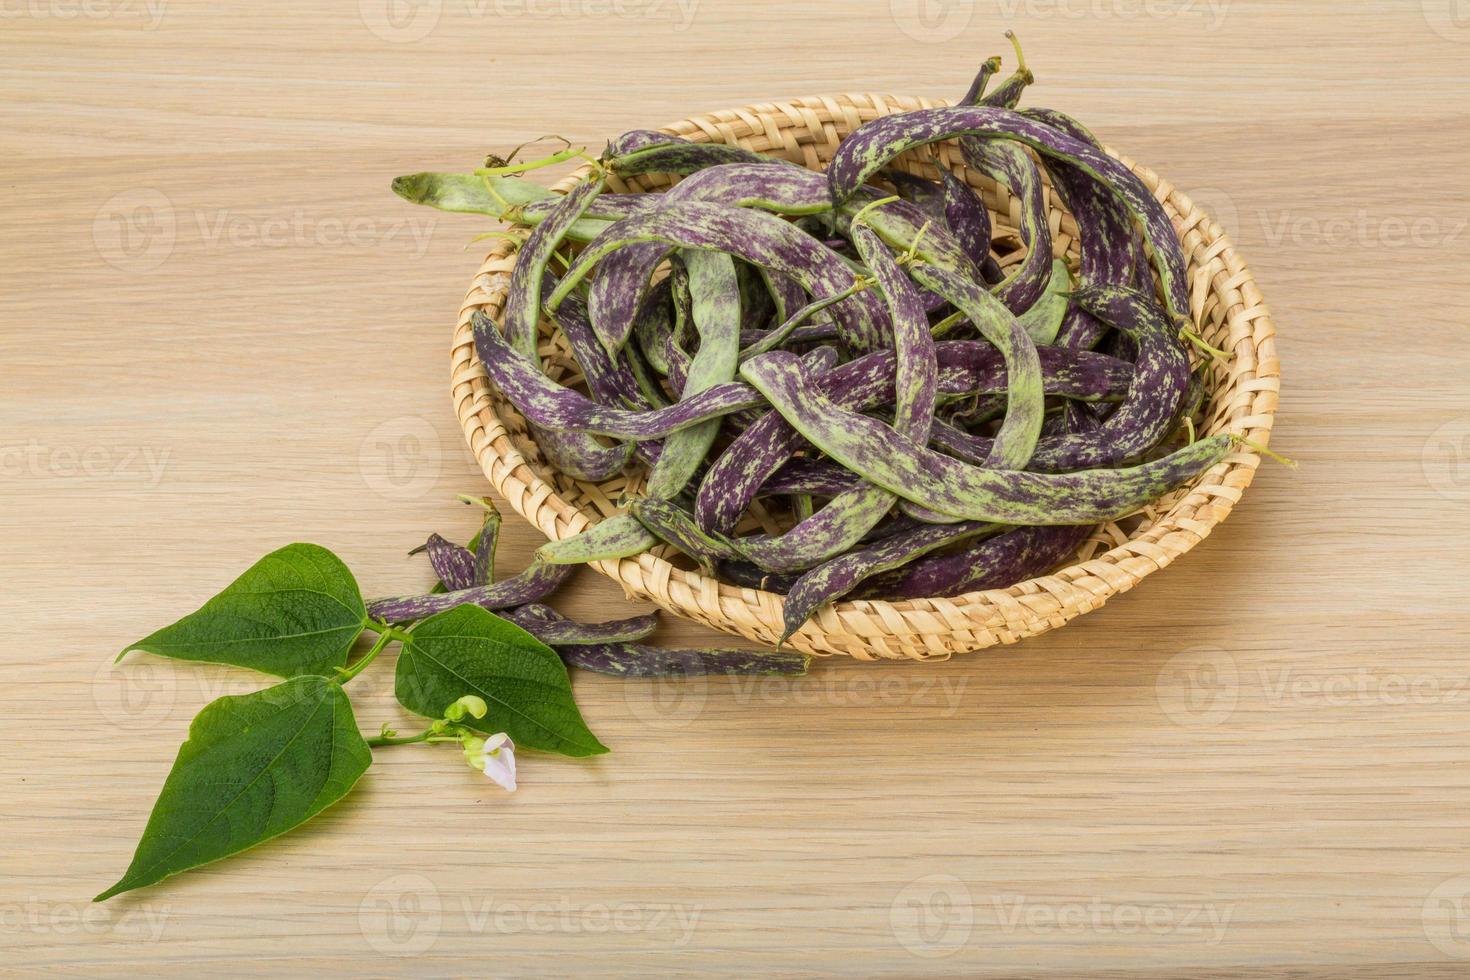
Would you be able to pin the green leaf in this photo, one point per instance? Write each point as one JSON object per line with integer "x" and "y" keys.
{"x": 254, "y": 766}
{"x": 469, "y": 650}
{"x": 296, "y": 611}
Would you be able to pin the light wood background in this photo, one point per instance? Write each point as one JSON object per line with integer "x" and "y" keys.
{"x": 219, "y": 332}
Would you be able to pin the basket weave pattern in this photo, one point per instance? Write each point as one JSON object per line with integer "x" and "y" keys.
{"x": 1228, "y": 311}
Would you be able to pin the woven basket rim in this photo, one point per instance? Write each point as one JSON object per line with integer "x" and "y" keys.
{"x": 920, "y": 629}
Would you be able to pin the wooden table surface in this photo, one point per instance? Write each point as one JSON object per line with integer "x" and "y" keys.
{"x": 221, "y": 333}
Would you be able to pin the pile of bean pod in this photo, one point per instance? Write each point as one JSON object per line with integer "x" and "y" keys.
{"x": 938, "y": 413}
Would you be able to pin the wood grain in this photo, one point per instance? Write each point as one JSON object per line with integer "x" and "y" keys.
{"x": 219, "y": 333}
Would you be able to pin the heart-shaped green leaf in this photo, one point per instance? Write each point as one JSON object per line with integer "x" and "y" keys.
{"x": 468, "y": 650}
{"x": 296, "y": 611}
{"x": 254, "y": 766}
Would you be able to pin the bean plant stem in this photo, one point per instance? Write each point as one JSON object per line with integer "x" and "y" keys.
{"x": 386, "y": 634}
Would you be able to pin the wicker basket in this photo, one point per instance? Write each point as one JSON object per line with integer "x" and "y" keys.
{"x": 1228, "y": 311}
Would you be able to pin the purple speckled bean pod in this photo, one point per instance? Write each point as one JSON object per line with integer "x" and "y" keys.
{"x": 754, "y": 236}
{"x": 667, "y": 522}
{"x": 872, "y": 146}
{"x": 881, "y": 456}
{"x": 1160, "y": 382}
{"x": 741, "y": 473}
{"x": 1010, "y": 165}
{"x": 546, "y": 404}
{"x": 967, "y": 217}
{"x": 558, "y": 631}
{"x": 538, "y": 581}
{"x": 485, "y": 544}
{"x": 995, "y": 563}
{"x": 804, "y": 193}
{"x": 610, "y": 383}
{"x": 523, "y": 296}
{"x": 643, "y": 151}
{"x": 619, "y": 288}
{"x": 454, "y": 566}
{"x": 620, "y": 536}
{"x": 1025, "y": 394}
{"x": 607, "y": 207}
{"x": 987, "y": 71}
{"x": 716, "y": 312}
{"x": 1006, "y": 95}
{"x": 653, "y": 325}
{"x": 924, "y": 194}
{"x": 572, "y": 452}
{"x": 748, "y": 575}
{"x": 637, "y": 660}
{"x": 757, "y": 306}
{"x": 843, "y": 522}
{"x": 827, "y": 533}
{"x": 835, "y": 579}
{"x": 1112, "y": 253}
